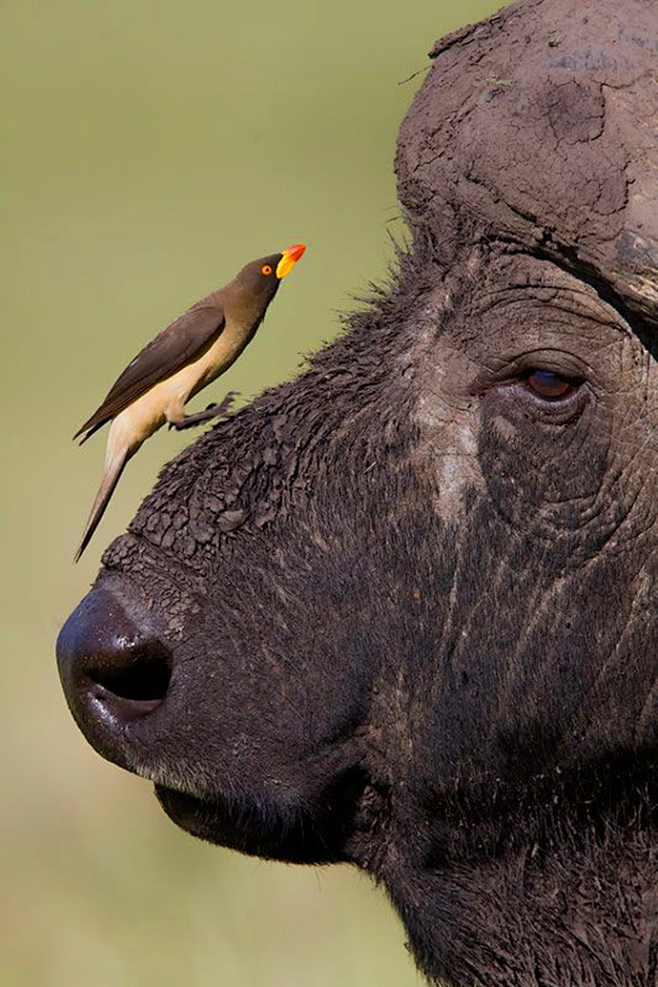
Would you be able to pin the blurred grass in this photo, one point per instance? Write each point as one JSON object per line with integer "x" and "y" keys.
{"x": 149, "y": 149}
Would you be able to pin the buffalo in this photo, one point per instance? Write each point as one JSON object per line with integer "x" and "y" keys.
{"x": 401, "y": 611}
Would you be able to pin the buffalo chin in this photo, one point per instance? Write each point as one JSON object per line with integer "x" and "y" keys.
{"x": 197, "y": 816}
{"x": 262, "y": 831}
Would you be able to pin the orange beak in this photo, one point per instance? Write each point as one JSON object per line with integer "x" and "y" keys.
{"x": 290, "y": 257}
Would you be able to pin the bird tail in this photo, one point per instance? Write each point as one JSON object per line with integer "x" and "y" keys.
{"x": 114, "y": 465}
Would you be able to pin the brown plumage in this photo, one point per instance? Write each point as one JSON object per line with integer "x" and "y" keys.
{"x": 189, "y": 353}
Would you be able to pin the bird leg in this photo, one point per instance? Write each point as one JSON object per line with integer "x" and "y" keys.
{"x": 212, "y": 411}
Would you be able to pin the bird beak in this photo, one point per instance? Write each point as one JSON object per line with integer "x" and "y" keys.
{"x": 289, "y": 259}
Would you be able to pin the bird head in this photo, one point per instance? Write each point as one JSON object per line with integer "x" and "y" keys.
{"x": 262, "y": 277}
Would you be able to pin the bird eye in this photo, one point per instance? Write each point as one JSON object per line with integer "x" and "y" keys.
{"x": 266, "y": 269}
{"x": 548, "y": 385}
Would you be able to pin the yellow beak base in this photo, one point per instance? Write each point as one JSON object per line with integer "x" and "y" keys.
{"x": 290, "y": 257}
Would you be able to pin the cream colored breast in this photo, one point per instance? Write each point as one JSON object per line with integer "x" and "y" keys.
{"x": 174, "y": 391}
{"x": 217, "y": 358}
{"x": 165, "y": 400}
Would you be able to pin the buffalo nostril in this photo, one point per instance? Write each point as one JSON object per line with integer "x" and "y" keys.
{"x": 143, "y": 679}
{"x": 113, "y": 667}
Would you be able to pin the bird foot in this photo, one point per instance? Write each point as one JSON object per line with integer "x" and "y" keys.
{"x": 212, "y": 411}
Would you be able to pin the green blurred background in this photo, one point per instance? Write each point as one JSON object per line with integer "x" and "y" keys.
{"x": 149, "y": 149}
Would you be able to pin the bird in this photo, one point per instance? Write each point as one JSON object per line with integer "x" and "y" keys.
{"x": 183, "y": 358}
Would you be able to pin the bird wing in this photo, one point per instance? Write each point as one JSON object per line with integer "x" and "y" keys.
{"x": 181, "y": 342}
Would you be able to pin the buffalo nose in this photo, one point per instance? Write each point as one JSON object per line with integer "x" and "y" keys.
{"x": 113, "y": 668}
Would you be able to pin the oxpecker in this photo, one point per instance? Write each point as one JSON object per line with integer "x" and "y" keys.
{"x": 188, "y": 354}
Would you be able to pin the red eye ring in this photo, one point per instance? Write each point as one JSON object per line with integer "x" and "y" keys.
{"x": 266, "y": 269}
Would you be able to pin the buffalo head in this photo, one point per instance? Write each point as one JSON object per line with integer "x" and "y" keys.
{"x": 402, "y": 610}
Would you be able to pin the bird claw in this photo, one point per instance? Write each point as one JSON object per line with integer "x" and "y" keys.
{"x": 213, "y": 410}
{"x": 225, "y": 406}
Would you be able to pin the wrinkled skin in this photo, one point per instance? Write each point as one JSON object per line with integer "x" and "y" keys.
{"x": 401, "y": 611}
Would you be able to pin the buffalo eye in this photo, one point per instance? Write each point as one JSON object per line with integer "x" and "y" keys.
{"x": 548, "y": 385}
